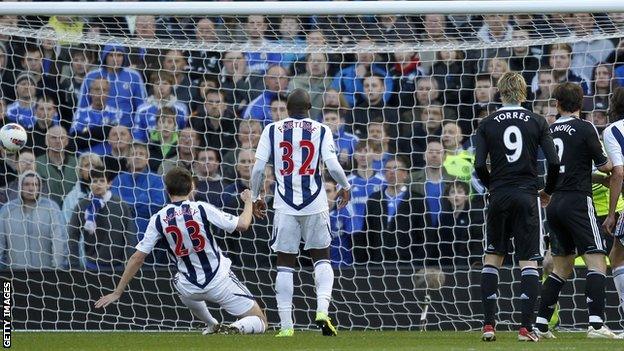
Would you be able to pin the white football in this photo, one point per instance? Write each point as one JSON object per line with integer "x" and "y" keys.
{"x": 13, "y": 137}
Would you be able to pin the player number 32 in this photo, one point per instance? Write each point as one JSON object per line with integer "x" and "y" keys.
{"x": 287, "y": 162}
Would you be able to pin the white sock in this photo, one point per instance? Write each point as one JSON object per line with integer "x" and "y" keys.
{"x": 618, "y": 279}
{"x": 200, "y": 310}
{"x": 324, "y": 281}
{"x": 250, "y": 325}
{"x": 284, "y": 288}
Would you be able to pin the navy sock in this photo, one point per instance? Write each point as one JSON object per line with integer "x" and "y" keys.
{"x": 550, "y": 295}
{"x": 595, "y": 294}
{"x": 489, "y": 293}
{"x": 529, "y": 286}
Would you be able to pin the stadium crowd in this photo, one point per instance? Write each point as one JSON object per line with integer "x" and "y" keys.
{"x": 106, "y": 122}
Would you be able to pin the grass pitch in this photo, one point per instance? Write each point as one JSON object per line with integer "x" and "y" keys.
{"x": 303, "y": 340}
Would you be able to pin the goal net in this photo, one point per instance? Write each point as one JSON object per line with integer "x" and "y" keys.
{"x": 402, "y": 93}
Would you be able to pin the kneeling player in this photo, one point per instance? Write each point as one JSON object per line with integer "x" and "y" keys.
{"x": 203, "y": 272}
{"x": 571, "y": 215}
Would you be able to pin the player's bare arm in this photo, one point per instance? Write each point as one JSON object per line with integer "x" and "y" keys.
{"x": 132, "y": 267}
{"x": 615, "y": 187}
{"x": 245, "y": 218}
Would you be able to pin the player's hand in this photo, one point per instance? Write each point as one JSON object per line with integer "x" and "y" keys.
{"x": 107, "y": 300}
{"x": 246, "y": 195}
{"x": 544, "y": 198}
{"x": 344, "y": 196}
{"x": 608, "y": 224}
{"x": 259, "y": 209}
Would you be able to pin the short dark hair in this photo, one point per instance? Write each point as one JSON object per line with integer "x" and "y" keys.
{"x": 298, "y": 102}
{"x": 616, "y": 105}
{"x": 178, "y": 182}
{"x": 97, "y": 173}
{"x": 166, "y": 111}
{"x": 569, "y": 96}
{"x": 457, "y": 184}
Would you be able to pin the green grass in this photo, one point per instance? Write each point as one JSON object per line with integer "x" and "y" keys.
{"x": 359, "y": 341}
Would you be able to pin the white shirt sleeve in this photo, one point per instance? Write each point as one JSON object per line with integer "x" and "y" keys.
{"x": 328, "y": 148}
{"x": 263, "y": 151}
{"x": 219, "y": 218}
{"x": 151, "y": 237}
{"x": 614, "y": 150}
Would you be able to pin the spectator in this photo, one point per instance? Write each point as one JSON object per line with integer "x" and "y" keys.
{"x": 31, "y": 63}
{"x": 289, "y": 28}
{"x": 259, "y": 62}
{"x": 393, "y": 230}
{"x": 276, "y": 82}
{"x": 434, "y": 31}
{"x": 522, "y": 60}
{"x": 315, "y": 81}
{"x": 116, "y": 150}
{"x": 379, "y": 142}
{"x": 484, "y": 99}
{"x": 209, "y": 184}
{"x": 86, "y": 162}
{"x": 237, "y": 83}
{"x": 244, "y": 161}
{"x": 602, "y": 83}
{"x": 127, "y": 89}
{"x": 145, "y": 60}
{"x": 105, "y": 226}
{"x": 496, "y": 67}
{"x": 449, "y": 72}
{"x": 405, "y": 70}
{"x": 163, "y": 139}
{"x": 350, "y": 80}
{"x": 586, "y": 54}
{"x": 25, "y": 163}
{"x": 247, "y": 137}
{"x": 495, "y": 28}
{"x": 46, "y": 116}
{"x": 341, "y": 224}
{"x": 429, "y": 182}
{"x": 427, "y": 93}
{"x": 57, "y": 166}
{"x": 32, "y": 234}
{"x": 461, "y": 228}
{"x": 345, "y": 142}
{"x": 372, "y": 106}
{"x": 145, "y": 118}
{"x": 72, "y": 76}
{"x": 363, "y": 182}
{"x": 91, "y": 124}
{"x": 278, "y": 110}
{"x": 427, "y": 123}
{"x": 391, "y": 28}
{"x": 596, "y": 113}
{"x": 333, "y": 99}
{"x": 175, "y": 63}
{"x": 545, "y": 85}
{"x": 140, "y": 188}
{"x": 22, "y": 111}
{"x": 50, "y": 55}
{"x": 215, "y": 121}
{"x": 6, "y": 75}
{"x": 205, "y": 61}
{"x": 548, "y": 111}
{"x": 8, "y": 166}
{"x": 560, "y": 60}
{"x": 188, "y": 142}
{"x": 458, "y": 162}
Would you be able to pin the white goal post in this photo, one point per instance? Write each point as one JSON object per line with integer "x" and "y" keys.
{"x": 393, "y": 78}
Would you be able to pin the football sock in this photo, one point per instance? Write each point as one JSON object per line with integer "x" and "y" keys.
{"x": 200, "y": 310}
{"x": 618, "y": 279}
{"x": 595, "y": 294}
{"x": 250, "y": 325}
{"x": 550, "y": 295}
{"x": 324, "y": 282}
{"x": 529, "y": 286}
{"x": 489, "y": 288}
{"x": 284, "y": 294}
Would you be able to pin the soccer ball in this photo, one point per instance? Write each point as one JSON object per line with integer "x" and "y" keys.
{"x": 13, "y": 137}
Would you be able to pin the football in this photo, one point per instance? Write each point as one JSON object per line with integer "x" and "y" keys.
{"x": 13, "y": 137}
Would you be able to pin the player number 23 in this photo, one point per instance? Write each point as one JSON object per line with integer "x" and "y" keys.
{"x": 196, "y": 238}
{"x": 287, "y": 162}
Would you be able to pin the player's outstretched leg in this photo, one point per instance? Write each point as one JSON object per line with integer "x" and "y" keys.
{"x": 284, "y": 289}
{"x": 595, "y": 293}
{"x": 200, "y": 310}
{"x": 562, "y": 268}
{"x": 252, "y": 322}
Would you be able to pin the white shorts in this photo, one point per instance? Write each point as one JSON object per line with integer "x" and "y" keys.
{"x": 288, "y": 230}
{"x": 225, "y": 290}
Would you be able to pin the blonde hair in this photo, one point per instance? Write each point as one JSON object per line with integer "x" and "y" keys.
{"x": 93, "y": 159}
{"x": 512, "y": 88}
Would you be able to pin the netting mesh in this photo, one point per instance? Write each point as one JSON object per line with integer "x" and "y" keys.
{"x": 138, "y": 95}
